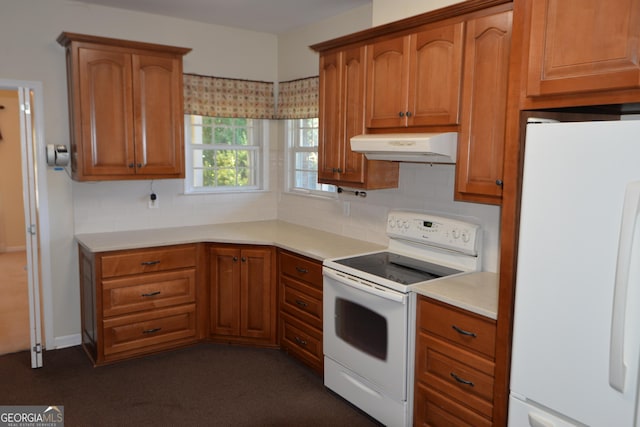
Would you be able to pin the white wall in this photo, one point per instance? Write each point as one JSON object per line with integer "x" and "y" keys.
{"x": 385, "y": 11}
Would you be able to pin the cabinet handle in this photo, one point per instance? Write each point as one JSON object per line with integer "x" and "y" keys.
{"x": 336, "y": 170}
{"x": 150, "y": 262}
{"x": 401, "y": 114}
{"x": 235, "y": 259}
{"x": 151, "y": 331}
{"x": 499, "y": 182}
{"x": 302, "y": 270}
{"x": 131, "y": 165}
{"x": 461, "y": 380}
{"x": 301, "y": 303}
{"x": 463, "y": 332}
{"x": 408, "y": 114}
{"x": 151, "y": 294}
{"x": 300, "y": 341}
{"x": 139, "y": 165}
{"x": 244, "y": 259}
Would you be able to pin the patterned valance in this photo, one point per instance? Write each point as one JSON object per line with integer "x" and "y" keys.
{"x": 220, "y": 97}
{"x": 298, "y": 99}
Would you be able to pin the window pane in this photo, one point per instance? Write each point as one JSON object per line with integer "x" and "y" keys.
{"x": 307, "y": 179}
{"x": 232, "y": 157}
{"x": 308, "y": 161}
{"x": 303, "y": 156}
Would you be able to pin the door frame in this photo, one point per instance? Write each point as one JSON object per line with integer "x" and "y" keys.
{"x": 34, "y": 183}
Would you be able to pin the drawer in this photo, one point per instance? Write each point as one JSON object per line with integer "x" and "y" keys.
{"x": 148, "y": 260}
{"x": 461, "y": 375}
{"x": 148, "y": 291}
{"x": 301, "y": 268}
{"x": 302, "y": 341}
{"x": 301, "y": 301}
{"x": 144, "y": 332}
{"x": 435, "y": 410}
{"x": 466, "y": 329}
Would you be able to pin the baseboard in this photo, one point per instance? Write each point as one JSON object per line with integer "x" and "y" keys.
{"x": 67, "y": 341}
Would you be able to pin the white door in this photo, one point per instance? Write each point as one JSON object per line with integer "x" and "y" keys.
{"x": 27, "y": 129}
{"x": 35, "y": 199}
{"x": 577, "y": 178}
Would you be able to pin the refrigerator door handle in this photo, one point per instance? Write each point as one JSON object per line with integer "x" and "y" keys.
{"x": 630, "y": 212}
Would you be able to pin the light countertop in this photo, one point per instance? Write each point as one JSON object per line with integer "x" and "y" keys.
{"x": 475, "y": 292}
{"x": 310, "y": 242}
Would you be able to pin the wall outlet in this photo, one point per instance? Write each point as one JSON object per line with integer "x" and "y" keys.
{"x": 154, "y": 203}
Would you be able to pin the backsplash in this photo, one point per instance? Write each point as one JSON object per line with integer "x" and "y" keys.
{"x": 422, "y": 187}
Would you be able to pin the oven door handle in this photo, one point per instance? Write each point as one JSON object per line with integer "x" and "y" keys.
{"x": 361, "y": 286}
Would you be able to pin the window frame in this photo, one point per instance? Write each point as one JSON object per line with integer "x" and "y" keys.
{"x": 259, "y": 133}
{"x": 292, "y": 147}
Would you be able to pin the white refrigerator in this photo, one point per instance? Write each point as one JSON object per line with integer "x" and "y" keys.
{"x": 576, "y": 343}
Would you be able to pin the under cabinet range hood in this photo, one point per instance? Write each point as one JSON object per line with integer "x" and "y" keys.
{"x": 408, "y": 147}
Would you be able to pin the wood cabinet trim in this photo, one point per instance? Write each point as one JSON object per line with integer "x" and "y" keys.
{"x": 66, "y": 38}
{"x": 407, "y": 25}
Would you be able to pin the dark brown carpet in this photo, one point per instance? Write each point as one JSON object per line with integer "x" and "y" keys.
{"x": 204, "y": 385}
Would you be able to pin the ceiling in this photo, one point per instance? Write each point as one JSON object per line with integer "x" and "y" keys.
{"x": 270, "y": 16}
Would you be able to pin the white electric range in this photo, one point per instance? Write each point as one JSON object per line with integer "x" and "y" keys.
{"x": 369, "y": 309}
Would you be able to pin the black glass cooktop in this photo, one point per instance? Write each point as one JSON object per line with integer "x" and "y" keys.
{"x": 397, "y": 268}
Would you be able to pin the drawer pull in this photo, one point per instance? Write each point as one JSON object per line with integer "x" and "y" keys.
{"x": 462, "y": 381}
{"x": 151, "y": 331}
{"x": 463, "y": 332}
{"x": 150, "y": 262}
{"x": 300, "y": 341}
{"x": 302, "y": 270}
{"x": 151, "y": 294}
{"x": 301, "y": 303}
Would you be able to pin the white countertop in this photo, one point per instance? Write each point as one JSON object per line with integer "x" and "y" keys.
{"x": 475, "y": 292}
{"x": 306, "y": 241}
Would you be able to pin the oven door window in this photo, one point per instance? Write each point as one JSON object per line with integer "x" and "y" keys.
{"x": 364, "y": 329}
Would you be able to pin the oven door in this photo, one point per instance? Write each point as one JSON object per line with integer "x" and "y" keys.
{"x": 366, "y": 331}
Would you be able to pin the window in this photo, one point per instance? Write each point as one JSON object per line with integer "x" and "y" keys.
{"x": 224, "y": 154}
{"x": 302, "y": 158}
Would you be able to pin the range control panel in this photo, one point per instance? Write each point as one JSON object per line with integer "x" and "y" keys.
{"x": 446, "y": 233}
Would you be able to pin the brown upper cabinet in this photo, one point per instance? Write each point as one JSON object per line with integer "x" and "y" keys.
{"x": 484, "y": 109}
{"x": 414, "y": 80}
{"x": 579, "y": 46}
{"x": 341, "y": 116}
{"x": 125, "y": 108}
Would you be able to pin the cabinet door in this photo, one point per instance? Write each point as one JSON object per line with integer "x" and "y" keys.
{"x": 158, "y": 114}
{"x": 330, "y": 146}
{"x": 583, "y": 45}
{"x": 434, "y": 76}
{"x": 341, "y": 116}
{"x": 353, "y": 167}
{"x": 481, "y": 138}
{"x": 106, "y": 146}
{"x": 225, "y": 291}
{"x": 387, "y": 83}
{"x": 257, "y": 302}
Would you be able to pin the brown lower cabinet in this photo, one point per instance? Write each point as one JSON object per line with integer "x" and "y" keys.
{"x": 455, "y": 362}
{"x": 242, "y": 304}
{"x": 137, "y": 302}
{"x": 301, "y": 309}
